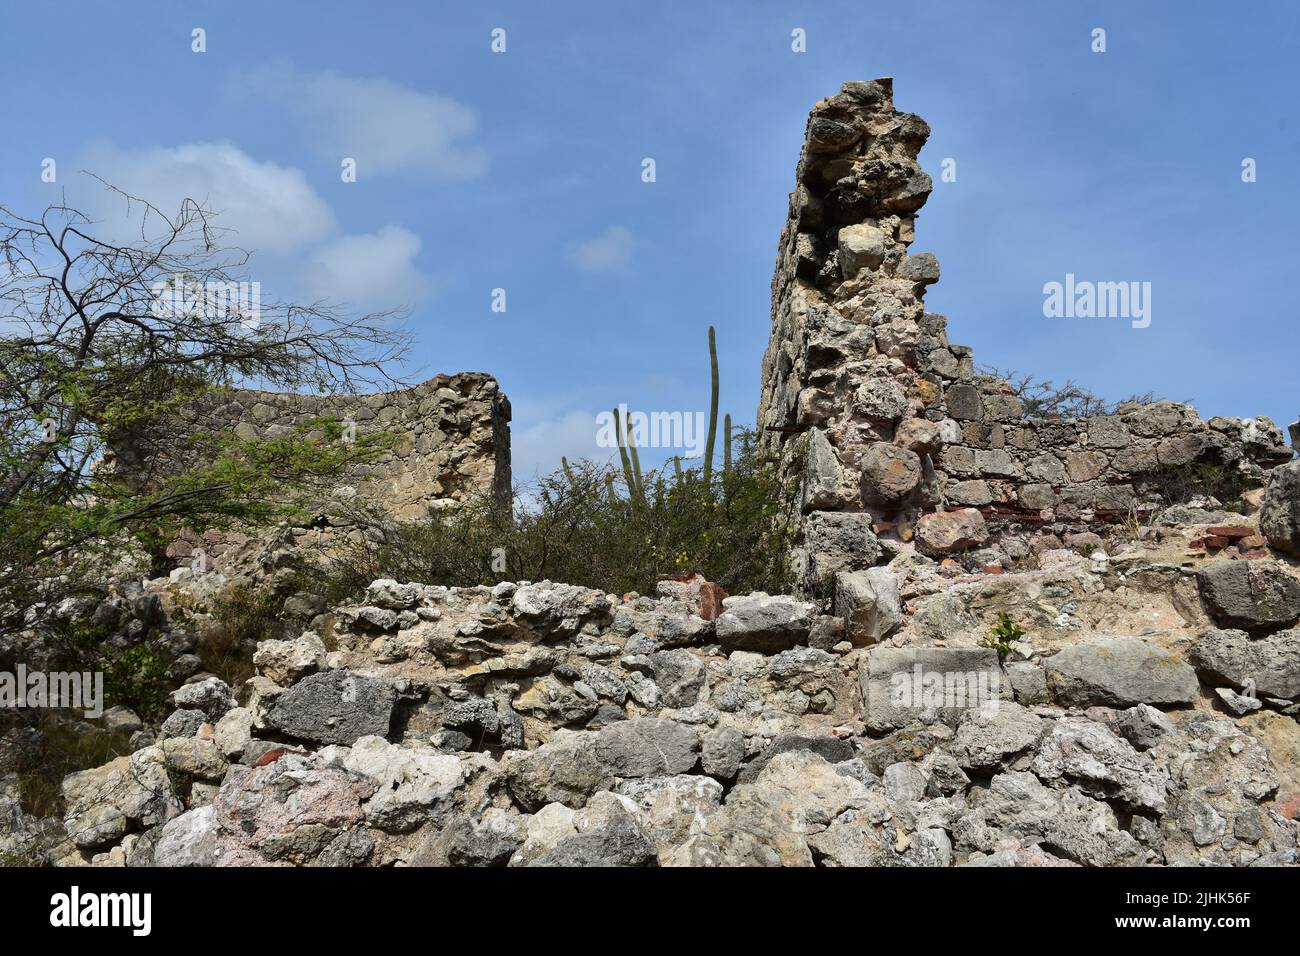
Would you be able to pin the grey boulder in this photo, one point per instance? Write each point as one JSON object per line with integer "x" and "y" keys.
{"x": 334, "y": 707}
{"x": 1119, "y": 672}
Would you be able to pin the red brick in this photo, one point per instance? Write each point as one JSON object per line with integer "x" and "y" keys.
{"x": 1232, "y": 531}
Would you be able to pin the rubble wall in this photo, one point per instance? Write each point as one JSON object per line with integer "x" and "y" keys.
{"x": 452, "y": 431}
{"x": 885, "y": 420}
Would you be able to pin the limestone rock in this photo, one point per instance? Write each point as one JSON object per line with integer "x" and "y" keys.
{"x": 868, "y": 601}
{"x": 1119, "y": 672}
{"x": 763, "y": 623}
{"x": 648, "y": 747}
{"x": 1279, "y": 516}
{"x": 1271, "y": 665}
{"x": 946, "y": 532}
{"x": 1250, "y": 594}
{"x": 334, "y": 707}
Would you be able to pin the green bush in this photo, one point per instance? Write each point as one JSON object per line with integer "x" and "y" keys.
{"x": 585, "y": 524}
{"x": 1178, "y": 484}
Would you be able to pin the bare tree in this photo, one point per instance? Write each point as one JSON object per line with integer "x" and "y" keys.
{"x": 99, "y": 335}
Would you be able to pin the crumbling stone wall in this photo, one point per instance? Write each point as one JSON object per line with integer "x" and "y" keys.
{"x": 885, "y": 421}
{"x": 453, "y": 436}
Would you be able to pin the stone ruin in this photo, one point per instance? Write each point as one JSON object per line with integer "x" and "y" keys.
{"x": 885, "y": 424}
{"x": 453, "y": 438}
{"x": 1145, "y": 713}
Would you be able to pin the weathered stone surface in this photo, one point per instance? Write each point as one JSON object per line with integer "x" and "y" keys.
{"x": 763, "y": 623}
{"x": 1271, "y": 665}
{"x": 289, "y": 810}
{"x": 191, "y": 839}
{"x": 768, "y": 822}
{"x": 1077, "y": 827}
{"x": 902, "y": 684}
{"x": 822, "y": 477}
{"x": 721, "y": 752}
{"x": 826, "y": 746}
{"x": 945, "y": 532}
{"x": 1250, "y": 594}
{"x": 848, "y": 308}
{"x": 1119, "y": 672}
{"x": 648, "y": 747}
{"x": 703, "y": 597}
{"x": 1279, "y": 515}
{"x": 1143, "y": 726}
{"x": 679, "y": 675}
{"x": 868, "y": 601}
{"x": 1102, "y": 765}
{"x": 564, "y": 771}
{"x": 838, "y": 541}
{"x": 458, "y": 426}
{"x": 334, "y": 707}
{"x": 988, "y": 737}
{"x": 861, "y": 246}
{"x": 672, "y": 809}
{"x": 559, "y": 610}
{"x": 103, "y": 803}
{"x": 889, "y": 474}
{"x": 287, "y": 662}
{"x": 1218, "y": 776}
{"x": 212, "y": 696}
{"x": 410, "y": 782}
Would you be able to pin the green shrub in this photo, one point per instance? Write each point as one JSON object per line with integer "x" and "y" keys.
{"x": 585, "y": 524}
{"x": 1178, "y": 484}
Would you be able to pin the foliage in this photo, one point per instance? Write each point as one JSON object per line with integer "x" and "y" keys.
{"x": 1044, "y": 399}
{"x": 102, "y": 344}
{"x": 59, "y": 746}
{"x": 575, "y": 526}
{"x": 1181, "y": 483}
{"x": 1002, "y": 635}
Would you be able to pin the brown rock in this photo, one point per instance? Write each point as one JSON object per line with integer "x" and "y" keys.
{"x": 1231, "y": 531}
{"x": 889, "y": 473}
{"x": 702, "y": 596}
{"x": 944, "y": 532}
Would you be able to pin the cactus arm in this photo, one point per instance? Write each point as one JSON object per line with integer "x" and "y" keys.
{"x": 622, "y": 453}
{"x": 713, "y": 404}
{"x": 726, "y": 445}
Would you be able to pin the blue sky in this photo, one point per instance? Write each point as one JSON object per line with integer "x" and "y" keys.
{"x": 522, "y": 171}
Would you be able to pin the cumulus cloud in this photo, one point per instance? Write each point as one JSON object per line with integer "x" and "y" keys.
{"x": 269, "y": 208}
{"x": 387, "y": 128}
{"x": 372, "y": 272}
{"x": 608, "y": 252}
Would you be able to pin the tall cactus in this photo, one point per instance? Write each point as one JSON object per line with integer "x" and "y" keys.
{"x": 631, "y": 466}
{"x": 713, "y": 405}
{"x": 639, "y": 490}
{"x": 622, "y": 454}
{"x": 727, "y": 445}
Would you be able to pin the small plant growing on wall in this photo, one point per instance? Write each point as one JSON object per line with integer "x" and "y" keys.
{"x": 1002, "y": 635}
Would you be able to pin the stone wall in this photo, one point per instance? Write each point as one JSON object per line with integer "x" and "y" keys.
{"x": 453, "y": 437}
{"x": 886, "y": 421}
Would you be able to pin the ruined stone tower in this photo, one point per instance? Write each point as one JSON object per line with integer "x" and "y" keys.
{"x": 889, "y": 430}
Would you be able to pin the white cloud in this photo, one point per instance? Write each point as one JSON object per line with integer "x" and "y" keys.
{"x": 610, "y": 251}
{"x": 385, "y": 127}
{"x": 371, "y": 272}
{"x": 269, "y": 208}
{"x": 536, "y": 449}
